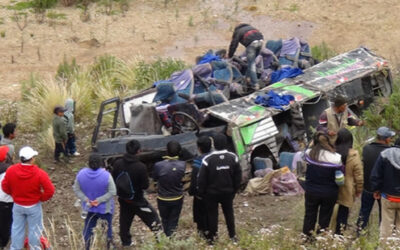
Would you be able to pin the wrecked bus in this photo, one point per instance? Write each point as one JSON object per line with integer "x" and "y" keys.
{"x": 253, "y": 130}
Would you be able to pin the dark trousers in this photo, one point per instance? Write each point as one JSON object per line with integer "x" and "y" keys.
{"x": 341, "y": 219}
{"x": 90, "y": 223}
{"x": 5, "y": 222}
{"x": 313, "y": 205}
{"x": 128, "y": 210}
{"x": 169, "y": 213}
{"x": 367, "y": 203}
{"x": 200, "y": 214}
{"x": 70, "y": 147}
{"x": 59, "y": 149}
{"x": 226, "y": 202}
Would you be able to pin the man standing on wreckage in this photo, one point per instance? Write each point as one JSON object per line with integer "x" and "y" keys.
{"x": 252, "y": 39}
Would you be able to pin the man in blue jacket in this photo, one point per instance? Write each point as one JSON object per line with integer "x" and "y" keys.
{"x": 385, "y": 183}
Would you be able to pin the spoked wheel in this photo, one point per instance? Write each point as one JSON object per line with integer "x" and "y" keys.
{"x": 183, "y": 123}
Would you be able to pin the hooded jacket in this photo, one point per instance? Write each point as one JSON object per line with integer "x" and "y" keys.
{"x": 27, "y": 184}
{"x": 59, "y": 129}
{"x": 385, "y": 176}
{"x": 96, "y": 185}
{"x": 244, "y": 34}
{"x": 137, "y": 171}
{"x": 353, "y": 181}
{"x": 69, "y": 115}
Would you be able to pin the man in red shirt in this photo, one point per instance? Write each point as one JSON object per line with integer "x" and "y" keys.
{"x": 29, "y": 186}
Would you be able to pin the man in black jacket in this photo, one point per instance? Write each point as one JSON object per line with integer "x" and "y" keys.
{"x": 218, "y": 181}
{"x": 252, "y": 39}
{"x": 139, "y": 206}
{"x": 385, "y": 183}
{"x": 199, "y": 205}
{"x": 371, "y": 153}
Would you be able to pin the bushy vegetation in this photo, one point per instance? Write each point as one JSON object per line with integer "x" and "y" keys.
{"x": 385, "y": 112}
{"x": 322, "y": 52}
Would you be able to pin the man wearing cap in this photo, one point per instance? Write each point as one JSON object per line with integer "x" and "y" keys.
{"x": 60, "y": 134}
{"x": 29, "y": 186}
{"x": 6, "y": 201}
{"x": 335, "y": 118}
{"x": 371, "y": 153}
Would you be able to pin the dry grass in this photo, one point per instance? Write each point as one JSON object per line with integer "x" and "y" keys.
{"x": 108, "y": 77}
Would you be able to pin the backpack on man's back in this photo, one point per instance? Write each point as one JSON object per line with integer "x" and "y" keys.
{"x": 124, "y": 186}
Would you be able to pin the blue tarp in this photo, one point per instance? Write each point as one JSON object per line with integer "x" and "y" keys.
{"x": 272, "y": 99}
{"x": 209, "y": 57}
{"x": 285, "y": 73}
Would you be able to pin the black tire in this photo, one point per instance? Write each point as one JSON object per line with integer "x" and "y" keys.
{"x": 181, "y": 120}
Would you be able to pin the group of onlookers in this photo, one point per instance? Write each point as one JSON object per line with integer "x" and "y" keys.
{"x": 24, "y": 186}
{"x": 215, "y": 180}
{"x": 336, "y": 174}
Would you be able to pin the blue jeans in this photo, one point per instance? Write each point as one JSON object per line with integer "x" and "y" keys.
{"x": 367, "y": 203}
{"x": 71, "y": 146}
{"x": 22, "y": 216}
{"x": 252, "y": 51}
{"x": 90, "y": 223}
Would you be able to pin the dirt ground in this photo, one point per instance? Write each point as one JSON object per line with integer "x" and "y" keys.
{"x": 251, "y": 213}
{"x": 182, "y": 29}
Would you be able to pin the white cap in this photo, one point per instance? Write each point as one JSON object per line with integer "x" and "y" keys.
{"x": 27, "y": 153}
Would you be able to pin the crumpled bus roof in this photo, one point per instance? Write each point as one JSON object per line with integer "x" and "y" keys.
{"x": 315, "y": 81}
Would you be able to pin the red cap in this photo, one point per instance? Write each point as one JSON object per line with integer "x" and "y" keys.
{"x": 3, "y": 153}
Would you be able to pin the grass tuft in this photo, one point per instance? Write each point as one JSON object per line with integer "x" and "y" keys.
{"x": 56, "y": 16}
{"x": 322, "y": 52}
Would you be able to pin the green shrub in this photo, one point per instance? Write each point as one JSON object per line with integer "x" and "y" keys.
{"x": 43, "y": 4}
{"x": 66, "y": 70}
{"x": 104, "y": 68}
{"x": 385, "y": 111}
{"x": 293, "y": 7}
{"x": 147, "y": 73}
{"x": 21, "y": 6}
{"x": 56, "y": 16}
{"x": 322, "y": 52}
